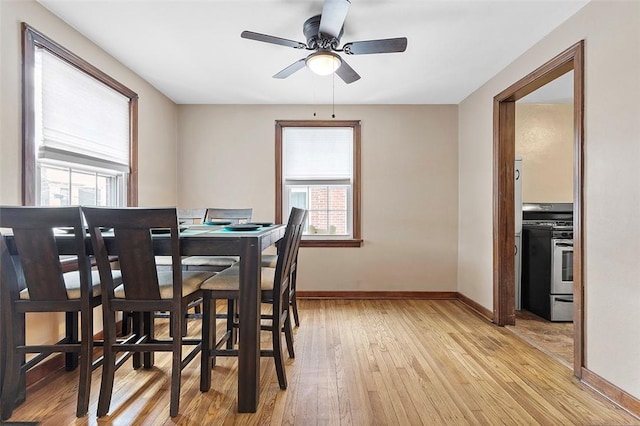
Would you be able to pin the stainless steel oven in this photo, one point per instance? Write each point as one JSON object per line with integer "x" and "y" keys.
{"x": 561, "y": 266}
{"x": 547, "y": 260}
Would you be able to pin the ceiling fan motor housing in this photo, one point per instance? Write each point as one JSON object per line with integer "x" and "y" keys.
{"x": 317, "y": 40}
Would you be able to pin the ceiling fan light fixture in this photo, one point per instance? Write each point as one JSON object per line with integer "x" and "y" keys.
{"x": 323, "y": 62}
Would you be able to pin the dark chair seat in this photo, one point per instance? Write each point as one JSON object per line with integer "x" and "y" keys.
{"x": 73, "y": 284}
{"x": 229, "y": 279}
{"x": 269, "y": 260}
{"x": 191, "y": 282}
{"x": 209, "y": 263}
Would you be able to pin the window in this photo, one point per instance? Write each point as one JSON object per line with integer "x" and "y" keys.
{"x": 318, "y": 169}
{"x": 79, "y": 131}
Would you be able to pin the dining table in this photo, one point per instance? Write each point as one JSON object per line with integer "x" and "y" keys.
{"x": 248, "y": 245}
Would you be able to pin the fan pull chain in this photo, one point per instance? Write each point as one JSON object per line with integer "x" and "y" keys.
{"x": 333, "y": 93}
{"x": 315, "y": 89}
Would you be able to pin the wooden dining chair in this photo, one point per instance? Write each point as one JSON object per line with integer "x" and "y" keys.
{"x": 143, "y": 291}
{"x": 229, "y": 214}
{"x": 185, "y": 217}
{"x": 274, "y": 286}
{"x": 191, "y": 216}
{"x": 33, "y": 280}
{"x": 270, "y": 261}
{"x": 218, "y": 263}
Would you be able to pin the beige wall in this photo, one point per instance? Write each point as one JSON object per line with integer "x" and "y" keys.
{"x": 409, "y": 188}
{"x": 157, "y": 118}
{"x": 611, "y": 31}
{"x": 544, "y": 141}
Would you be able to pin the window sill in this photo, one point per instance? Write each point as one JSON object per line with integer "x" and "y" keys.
{"x": 331, "y": 243}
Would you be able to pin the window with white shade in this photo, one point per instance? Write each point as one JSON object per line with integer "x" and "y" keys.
{"x": 79, "y": 132}
{"x": 318, "y": 170}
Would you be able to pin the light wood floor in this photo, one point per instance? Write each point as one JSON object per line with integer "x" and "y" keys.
{"x": 360, "y": 363}
{"x": 554, "y": 338}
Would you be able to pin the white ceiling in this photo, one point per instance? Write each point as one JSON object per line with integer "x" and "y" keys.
{"x": 192, "y": 51}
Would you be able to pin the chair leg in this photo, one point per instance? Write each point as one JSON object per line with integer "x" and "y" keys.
{"x": 197, "y": 309}
{"x": 10, "y": 386}
{"x": 13, "y": 360}
{"x": 109, "y": 360}
{"x": 288, "y": 334}
{"x": 86, "y": 361}
{"x": 277, "y": 352}
{"x": 184, "y": 325}
{"x": 293, "y": 300}
{"x": 137, "y": 328}
{"x": 149, "y": 331}
{"x": 231, "y": 317}
{"x": 207, "y": 354}
{"x": 71, "y": 327}
{"x": 294, "y": 309}
{"x": 126, "y": 323}
{"x": 176, "y": 364}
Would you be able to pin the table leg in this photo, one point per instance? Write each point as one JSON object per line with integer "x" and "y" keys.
{"x": 249, "y": 339}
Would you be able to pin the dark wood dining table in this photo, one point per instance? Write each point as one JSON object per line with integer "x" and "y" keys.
{"x": 217, "y": 241}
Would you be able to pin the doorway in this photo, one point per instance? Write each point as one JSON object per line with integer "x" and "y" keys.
{"x": 503, "y": 196}
{"x": 544, "y": 148}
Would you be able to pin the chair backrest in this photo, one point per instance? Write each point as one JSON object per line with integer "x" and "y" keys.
{"x": 232, "y": 215}
{"x": 287, "y": 257}
{"x": 191, "y": 216}
{"x": 30, "y": 257}
{"x": 133, "y": 244}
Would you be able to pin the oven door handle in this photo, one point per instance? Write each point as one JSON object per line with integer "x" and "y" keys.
{"x": 564, "y": 244}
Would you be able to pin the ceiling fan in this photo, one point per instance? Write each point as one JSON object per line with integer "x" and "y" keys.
{"x": 323, "y": 33}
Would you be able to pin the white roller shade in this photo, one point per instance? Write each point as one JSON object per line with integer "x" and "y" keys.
{"x": 317, "y": 153}
{"x": 81, "y": 119}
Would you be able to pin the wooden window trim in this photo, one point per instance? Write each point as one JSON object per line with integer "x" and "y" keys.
{"x": 356, "y": 241}
{"x": 32, "y": 38}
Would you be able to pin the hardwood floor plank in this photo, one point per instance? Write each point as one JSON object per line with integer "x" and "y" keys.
{"x": 358, "y": 362}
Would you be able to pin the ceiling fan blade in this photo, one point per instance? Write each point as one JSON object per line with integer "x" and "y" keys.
{"x": 346, "y": 73}
{"x": 296, "y": 66}
{"x": 273, "y": 40}
{"x": 334, "y": 12}
{"x": 387, "y": 45}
